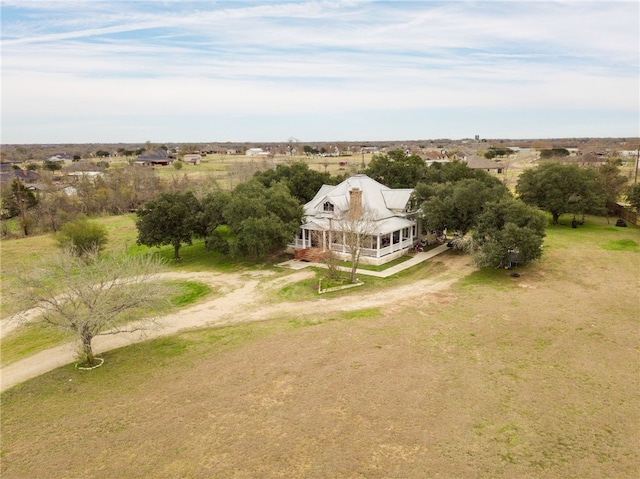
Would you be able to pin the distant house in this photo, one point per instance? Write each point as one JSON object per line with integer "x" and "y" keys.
{"x": 192, "y": 159}
{"x": 83, "y": 168}
{"x": 476, "y": 162}
{"x": 369, "y": 149}
{"x": 6, "y": 173}
{"x": 156, "y": 158}
{"x": 433, "y": 155}
{"x": 257, "y": 152}
{"x": 28, "y": 177}
{"x": 84, "y": 175}
{"x": 392, "y": 228}
{"x": 57, "y": 159}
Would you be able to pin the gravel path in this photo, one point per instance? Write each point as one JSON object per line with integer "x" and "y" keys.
{"x": 242, "y": 299}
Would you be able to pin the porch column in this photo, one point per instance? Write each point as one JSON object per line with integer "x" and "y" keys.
{"x": 377, "y": 246}
{"x": 324, "y": 240}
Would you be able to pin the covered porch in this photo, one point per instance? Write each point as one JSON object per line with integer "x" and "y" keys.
{"x": 389, "y": 239}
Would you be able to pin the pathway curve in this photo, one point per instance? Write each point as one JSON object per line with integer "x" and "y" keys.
{"x": 243, "y": 298}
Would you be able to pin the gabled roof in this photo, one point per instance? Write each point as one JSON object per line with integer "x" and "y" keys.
{"x": 154, "y": 156}
{"x": 26, "y": 175}
{"x": 379, "y": 200}
{"x": 397, "y": 199}
{"x": 476, "y": 162}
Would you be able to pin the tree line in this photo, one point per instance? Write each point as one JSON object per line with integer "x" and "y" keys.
{"x": 502, "y": 224}
{"x": 262, "y": 213}
{"x": 258, "y": 217}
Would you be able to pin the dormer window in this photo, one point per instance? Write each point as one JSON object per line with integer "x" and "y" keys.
{"x": 328, "y": 206}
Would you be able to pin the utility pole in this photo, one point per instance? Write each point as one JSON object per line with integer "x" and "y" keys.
{"x": 635, "y": 175}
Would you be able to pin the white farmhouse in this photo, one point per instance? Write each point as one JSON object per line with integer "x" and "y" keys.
{"x": 390, "y": 223}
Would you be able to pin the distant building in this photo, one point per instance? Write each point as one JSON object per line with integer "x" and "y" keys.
{"x": 476, "y": 162}
{"x": 257, "y": 152}
{"x": 192, "y": 159}
{"x": 156, "y": 158}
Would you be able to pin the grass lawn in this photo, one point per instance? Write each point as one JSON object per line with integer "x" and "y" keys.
{"x": 27, "y": 340}
{"x": 497, "y": 377}
{"x": 23, "y": 253}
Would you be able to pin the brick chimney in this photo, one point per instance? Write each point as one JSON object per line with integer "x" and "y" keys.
{"x": 355, "y": 203}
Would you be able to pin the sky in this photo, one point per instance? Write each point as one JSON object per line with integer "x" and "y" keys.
{"x": 91, "y": 71}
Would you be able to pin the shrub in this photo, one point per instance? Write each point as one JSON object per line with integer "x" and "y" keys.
{"x": 82, "y": 237}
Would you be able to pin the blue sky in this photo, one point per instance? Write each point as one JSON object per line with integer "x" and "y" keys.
{"x": 77, "y": 71}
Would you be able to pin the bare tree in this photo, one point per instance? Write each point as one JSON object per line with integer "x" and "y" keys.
{"x": 329, "y": 258}
{"x": 357, "y": 228}
{"x": 242, "y": 171}
{"x": 95, "y": 296}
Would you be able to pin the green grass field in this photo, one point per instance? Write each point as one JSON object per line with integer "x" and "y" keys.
{"x": 495, "y": 377}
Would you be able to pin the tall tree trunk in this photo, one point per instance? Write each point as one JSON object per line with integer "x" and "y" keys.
{"x": 355, "y": 259}
{"x": 86, "y": 354}
{"x": 354, "y": 267}
{"x": 176, "y": 249}
{"x": 555, "y": 216}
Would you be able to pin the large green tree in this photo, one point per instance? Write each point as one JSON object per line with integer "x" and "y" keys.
{"x": 633, "y": 195}
{"x": 453, "y": 171}
{"x": 614, "y": 183}
{"x": 303, "y": 183}
{"x": 174, "y": 218}
{"x": 553, "y": 153}
{"x": 18, "y": 200}
{"x": 508, "y": 231}
{"x": 451, "y": 195}
{"x": 212, "y": 217}
{"x": 563, "y": 188}
{"x": 456, "y": 205}
{"x": 396, "y": 169}
{"x": 263, "y": 220}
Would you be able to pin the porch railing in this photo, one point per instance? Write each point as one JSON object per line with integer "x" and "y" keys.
{"x": 371, "y": 252}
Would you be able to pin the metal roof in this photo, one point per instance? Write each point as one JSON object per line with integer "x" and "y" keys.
{"x": 381, "y": 227}
{"x": 378, "y": 201}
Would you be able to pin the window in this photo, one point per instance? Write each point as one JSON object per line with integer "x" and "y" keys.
{"x": 328, "y": 206}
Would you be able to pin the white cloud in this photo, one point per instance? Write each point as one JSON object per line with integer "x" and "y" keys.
{"x": 134, "y": 58}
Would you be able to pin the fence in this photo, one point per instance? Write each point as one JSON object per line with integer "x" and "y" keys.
{"x": 628, "y": 214}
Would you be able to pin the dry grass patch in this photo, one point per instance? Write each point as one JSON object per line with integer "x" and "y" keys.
{"x": 497, "y": 377}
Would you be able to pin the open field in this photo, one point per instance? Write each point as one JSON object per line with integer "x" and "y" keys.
{"x": 494, "y": 377}
{"x": 227, "y": 171}
{"x": 24, "y": 252}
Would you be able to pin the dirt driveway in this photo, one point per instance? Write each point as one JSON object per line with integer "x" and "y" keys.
{"x": 242, "y": 299}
